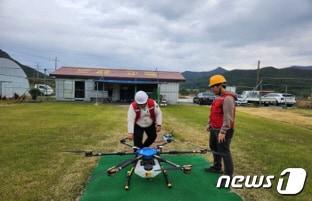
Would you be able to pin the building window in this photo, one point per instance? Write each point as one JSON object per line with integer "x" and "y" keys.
{"x": 99, "y": 86}
{"x": 68, "y": 88}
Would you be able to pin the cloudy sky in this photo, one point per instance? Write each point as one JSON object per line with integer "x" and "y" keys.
{"x": 170, "y": 35}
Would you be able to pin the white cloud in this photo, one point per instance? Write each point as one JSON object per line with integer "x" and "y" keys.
{"x": 172, "y": 35}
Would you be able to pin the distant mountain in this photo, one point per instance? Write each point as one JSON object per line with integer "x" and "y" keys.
{"x": 294, "y": 79}
{"x": 302, "y": 67}
{"x": 31, "y": 73}
{"x": 195, "y": 75}
{"x": 193, "y": 78}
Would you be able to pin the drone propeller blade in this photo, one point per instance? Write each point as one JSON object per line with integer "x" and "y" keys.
{"x": 201, "y": 151}
{"x": 124, "y": 142}
{"x": 93, "y": 153}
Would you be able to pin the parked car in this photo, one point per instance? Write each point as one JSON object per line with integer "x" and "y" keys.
{"x": 241, "y": 101}
{"x": 250, "y": 96}
{"x": 204, "y": 98}
{"x": 256, "y": 97}
{"x": 44, "y": 89}
{"x": 279, "y": 99}
{"x": 163, "y": 101}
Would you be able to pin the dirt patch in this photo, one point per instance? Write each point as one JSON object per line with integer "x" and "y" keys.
{"x": 290, "y": 116}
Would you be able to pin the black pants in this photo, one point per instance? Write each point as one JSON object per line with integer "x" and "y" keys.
{"x": 223, "y": 148}
{"x": 138, "y": 135}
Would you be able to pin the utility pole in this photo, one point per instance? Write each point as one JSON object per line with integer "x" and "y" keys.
{"x": 37, "y": 66}
{"x": 55, "y": 63}
{"x": 158, "y": 87}
{"x": 97, "y": 90}
{"x": 260, "y": 95}
{"x": 36, "y": 81}
{"x": 45, "y": 84}
{"x": 258, "y": 73}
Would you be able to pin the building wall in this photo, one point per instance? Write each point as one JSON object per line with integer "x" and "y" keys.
{"x": 65, "y": 90}
{"x": 13, "y": 79}
{"x": 116, "y": 92}
{"x": 170, "y": 91}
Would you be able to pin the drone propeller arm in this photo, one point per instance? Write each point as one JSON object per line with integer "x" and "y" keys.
{"x": 202, "y": 151}
{"x": 113, "y": 170}
{"x": 185, "y": 168}
{"x": 163, "y": 144}
{"x": 93, "y": 154}
{"x": 168, "y": 162}
{"x": 124, "y": 142}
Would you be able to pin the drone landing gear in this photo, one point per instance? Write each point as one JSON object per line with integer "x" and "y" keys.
{"x": 185, "y": 168}
{"x": 169, "y": 185}
{"x": 129, "y": 174}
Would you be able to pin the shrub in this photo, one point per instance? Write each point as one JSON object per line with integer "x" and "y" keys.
{"x": 34, "y": 92}
{"x": 16, "y": 96}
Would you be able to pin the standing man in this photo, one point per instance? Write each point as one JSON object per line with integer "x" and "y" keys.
{"x": 221, "y": 125}
{"x": 144, "y": 115}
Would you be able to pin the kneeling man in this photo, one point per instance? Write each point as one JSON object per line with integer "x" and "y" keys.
{"x": 144, "y": 115}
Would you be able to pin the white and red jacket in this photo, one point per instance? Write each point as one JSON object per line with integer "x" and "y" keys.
{"x": 144, "y": 117}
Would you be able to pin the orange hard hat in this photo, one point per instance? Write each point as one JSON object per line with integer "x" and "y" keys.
{"x": 216, "y": 79}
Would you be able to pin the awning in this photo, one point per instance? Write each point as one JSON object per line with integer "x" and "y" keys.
{"x": 127, "y": 81}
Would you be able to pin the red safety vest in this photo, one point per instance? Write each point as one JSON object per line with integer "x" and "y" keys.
{"x": 150, "y": 106}
{"x": 216, "y": 111}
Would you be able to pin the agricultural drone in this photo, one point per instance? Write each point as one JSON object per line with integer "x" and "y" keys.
{"x": 147, "y": 161}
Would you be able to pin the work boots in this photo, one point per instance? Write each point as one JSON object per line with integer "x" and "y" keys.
{"x": 212, "y": 169}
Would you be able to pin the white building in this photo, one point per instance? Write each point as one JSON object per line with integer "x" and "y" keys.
{"x": 12, "y": 79}
{"x": 116, "y": 85}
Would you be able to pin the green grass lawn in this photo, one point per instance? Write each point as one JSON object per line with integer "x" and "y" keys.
{"x": 32, "y": 166}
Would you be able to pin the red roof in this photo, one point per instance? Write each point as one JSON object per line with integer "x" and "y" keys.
{"x": 117, "y": 73}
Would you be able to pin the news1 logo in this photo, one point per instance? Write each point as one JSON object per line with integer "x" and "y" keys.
{"x": 293, "y": 186}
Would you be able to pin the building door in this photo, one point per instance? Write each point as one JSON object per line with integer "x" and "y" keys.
{"x": 79, "y": 89}
{"x": 150, "y": 89}
{"x": 126, "y": 93}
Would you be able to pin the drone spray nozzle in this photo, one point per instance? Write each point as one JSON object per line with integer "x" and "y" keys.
{"x": 187, "y": 169}
{"x": 111, "y": 171}
{"x": 88, "y": 153}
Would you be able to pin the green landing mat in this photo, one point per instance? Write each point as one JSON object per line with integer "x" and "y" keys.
{"x": 197, "y": 186}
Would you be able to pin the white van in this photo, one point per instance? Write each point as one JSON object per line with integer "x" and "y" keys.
{"x": 44, "y": 89}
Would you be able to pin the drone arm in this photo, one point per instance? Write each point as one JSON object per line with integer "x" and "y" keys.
{"x": 168, "y": 162}
{"x": 92, "y": 154}
{"x": 185, "y": 168}
{"x": 201, "y": 151}
{"x": 122, "y": 165}
{"x": 124, "y": 142}
{"x": 163, "y": 144}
